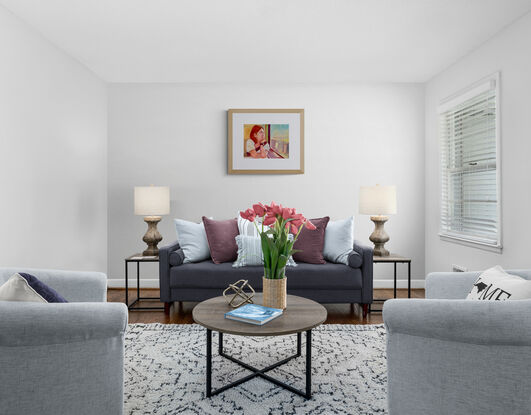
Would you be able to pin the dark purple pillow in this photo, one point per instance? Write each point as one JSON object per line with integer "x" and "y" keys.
{"x": 311, "y": 243}
{"x": 48, "y": 293}
{"x": 221, "y": 237}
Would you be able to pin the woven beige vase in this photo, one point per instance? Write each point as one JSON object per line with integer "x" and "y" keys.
{"x": 274, "y": 292}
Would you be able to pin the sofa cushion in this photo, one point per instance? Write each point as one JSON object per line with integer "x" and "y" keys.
{"x": 311, "y": 243}
{"x": 355, "y": 260}
{"x": 250, "y": 252}
{"x": 220, "y": 236}
{"x": 339, "y": 240}
{"x": 176, "y": 257}
{"x": 206, "y": 274}
{"x": 193, "y": 240}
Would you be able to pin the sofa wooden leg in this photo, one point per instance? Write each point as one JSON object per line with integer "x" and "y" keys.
{"x": 167, "y": 308}
{"x": 365, "y": 309}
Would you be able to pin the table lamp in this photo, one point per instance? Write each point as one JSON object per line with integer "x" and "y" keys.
{"x": 152, "y": 202}
{"x": 378, "y": 201}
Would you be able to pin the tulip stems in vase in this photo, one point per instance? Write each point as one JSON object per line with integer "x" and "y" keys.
{"x": 280, "y": 228}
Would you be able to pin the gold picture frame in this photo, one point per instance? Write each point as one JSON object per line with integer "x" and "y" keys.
{"x": 265, "y": 141}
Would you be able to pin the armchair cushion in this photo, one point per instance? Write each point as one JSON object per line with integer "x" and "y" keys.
{"x": 495, "y": 284}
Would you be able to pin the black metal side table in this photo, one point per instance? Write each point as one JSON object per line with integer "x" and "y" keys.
{"x": 138, "y": 258}
{"x": 393, "y": 259}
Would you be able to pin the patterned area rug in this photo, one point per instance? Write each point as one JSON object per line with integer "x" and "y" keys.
{"x": 165, "y": 372}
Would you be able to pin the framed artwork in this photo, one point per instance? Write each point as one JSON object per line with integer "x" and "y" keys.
{"x": 266, "y": 141}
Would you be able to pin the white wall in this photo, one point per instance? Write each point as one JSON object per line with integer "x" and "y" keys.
{"x": 53, "y": 170}
{"x": 509, "y": 53}
{"x": 176, "y": 135}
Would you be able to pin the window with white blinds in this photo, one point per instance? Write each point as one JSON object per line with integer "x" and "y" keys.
{"x": 470, "y": 208}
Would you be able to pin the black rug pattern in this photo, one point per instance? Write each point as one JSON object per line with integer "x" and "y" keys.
{"x": 165, "y": 372}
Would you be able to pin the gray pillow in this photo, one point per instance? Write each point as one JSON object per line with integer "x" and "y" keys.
{"x": 192, "y": 240}
{"x": 339, "y": 240}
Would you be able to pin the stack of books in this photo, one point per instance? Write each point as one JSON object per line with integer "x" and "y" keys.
{"x": 254, "y": 314}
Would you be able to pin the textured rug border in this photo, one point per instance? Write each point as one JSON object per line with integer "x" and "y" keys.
{"x": 322, "y": 327}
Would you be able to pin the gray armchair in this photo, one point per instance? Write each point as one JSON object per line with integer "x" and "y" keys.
{"x": 62, "y": 358}
{"x": 447, "y": 355}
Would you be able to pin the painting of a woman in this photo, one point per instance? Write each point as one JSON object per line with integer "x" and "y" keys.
{"x": 256, "y": 145}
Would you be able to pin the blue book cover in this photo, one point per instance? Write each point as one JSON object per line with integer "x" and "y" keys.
{"x": 254, "y": 314}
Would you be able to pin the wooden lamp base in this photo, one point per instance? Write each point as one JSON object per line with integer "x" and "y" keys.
{"x": 379, "y": 236}
{"x": 152, "y": 236}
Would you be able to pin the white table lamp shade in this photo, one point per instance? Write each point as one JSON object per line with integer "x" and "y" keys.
{"x": 377, "y": 200}
{"x": 152, "y": 200}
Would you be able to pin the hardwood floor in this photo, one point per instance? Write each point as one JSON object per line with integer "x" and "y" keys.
{"x": 181, "y": 313}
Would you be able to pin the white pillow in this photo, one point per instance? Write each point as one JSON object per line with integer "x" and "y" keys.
{"x": 250, "y": 252}
{"x": 192, "y": 240}
{"x": 339, "y": 240}
{"x": 495, "y": 284}
{"x": 16, "y": 288}
{"x": 248, "y": 228}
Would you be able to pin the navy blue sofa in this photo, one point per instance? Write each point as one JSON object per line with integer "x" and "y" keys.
{"x": 324, "y": 283}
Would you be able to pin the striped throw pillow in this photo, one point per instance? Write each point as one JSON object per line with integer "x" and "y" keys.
{"x": 250, "y": 252}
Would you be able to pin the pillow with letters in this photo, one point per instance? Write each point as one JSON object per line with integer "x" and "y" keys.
{"x": 495, "y": 284}
{"x": 26, "y": 287}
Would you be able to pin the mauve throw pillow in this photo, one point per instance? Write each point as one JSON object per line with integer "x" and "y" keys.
{"x": 311, "y": 243}
{"x": 221, "y": 236}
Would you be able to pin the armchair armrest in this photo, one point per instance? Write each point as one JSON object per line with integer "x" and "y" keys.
{"x": 34, "y": 324}
{"x": 62, "y": 358}
{"x": 461, "y": 321}
{"x": 366, "y": 270}
{"x": 458, "y": 356}
{"x": 164, "y": 269}
{"x": 74, "y": 286}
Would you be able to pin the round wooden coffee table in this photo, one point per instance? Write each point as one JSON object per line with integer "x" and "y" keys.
{"x": 300, "y": 315}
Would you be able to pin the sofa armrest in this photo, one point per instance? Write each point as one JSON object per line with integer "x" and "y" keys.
{"x": 74, "y": 286}
{"x": 450, "y": 285}
{"x": 461, "y": 321}
{"x": 164, "y": 270}
{"x": 366, "y": 271}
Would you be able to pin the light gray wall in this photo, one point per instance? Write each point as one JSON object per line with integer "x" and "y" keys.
{"x": 53, "y": 146}
{"x": 176, "y": 135}
{"x": 510, "y": 53}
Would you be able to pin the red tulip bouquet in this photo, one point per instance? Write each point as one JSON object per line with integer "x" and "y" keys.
{"x": 277, "y": 246}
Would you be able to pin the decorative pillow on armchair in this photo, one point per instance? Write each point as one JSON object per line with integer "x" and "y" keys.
{"x": 26, "y": 287}
{"x": 495, "y": 284}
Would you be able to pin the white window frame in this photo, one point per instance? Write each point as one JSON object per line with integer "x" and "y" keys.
{"x": 452, "y": 102}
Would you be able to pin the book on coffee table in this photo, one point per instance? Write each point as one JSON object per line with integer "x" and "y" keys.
{"x": 254, "y": 314}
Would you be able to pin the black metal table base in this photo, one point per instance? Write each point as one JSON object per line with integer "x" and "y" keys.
{"x": 382, "y": 300}
{"x": 260, "y": 372}
{"x": 131, "y": 307}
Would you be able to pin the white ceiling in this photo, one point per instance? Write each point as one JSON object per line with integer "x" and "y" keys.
{"x": 267, "y": 40}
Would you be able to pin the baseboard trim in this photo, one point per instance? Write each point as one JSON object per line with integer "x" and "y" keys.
{"x": 144, "y": 283}
{"x": 154, "y": 283}
{"x": 401, "y": 283}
